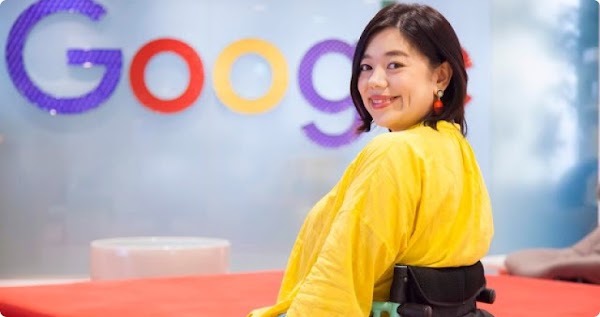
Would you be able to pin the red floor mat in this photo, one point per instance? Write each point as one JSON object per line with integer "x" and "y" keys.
{"x": 236, "y": 294}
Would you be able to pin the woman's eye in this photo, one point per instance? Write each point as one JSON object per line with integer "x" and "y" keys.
{"x": 394, "y": 65}
{"x": 364, "y": 67}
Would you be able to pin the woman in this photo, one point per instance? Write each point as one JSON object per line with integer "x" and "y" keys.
{"x": 415, "y": 195}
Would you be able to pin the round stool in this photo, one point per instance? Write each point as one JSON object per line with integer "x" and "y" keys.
{"x": 139, "y": 257}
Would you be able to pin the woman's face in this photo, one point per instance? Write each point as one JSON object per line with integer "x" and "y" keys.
{"x": 396, "y": 82}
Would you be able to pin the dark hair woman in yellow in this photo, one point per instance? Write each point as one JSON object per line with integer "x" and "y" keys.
{"x": 415, "y": 195}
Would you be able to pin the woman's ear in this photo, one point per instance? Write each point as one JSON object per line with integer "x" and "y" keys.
{"x": 443, "y": 74}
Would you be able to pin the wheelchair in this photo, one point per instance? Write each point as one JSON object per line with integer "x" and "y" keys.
{"x": 436, "y": 292}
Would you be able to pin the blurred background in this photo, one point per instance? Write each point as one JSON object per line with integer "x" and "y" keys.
{"x": 117, "y": 119}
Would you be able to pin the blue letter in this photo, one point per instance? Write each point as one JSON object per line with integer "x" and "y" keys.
{"x": 111, "y": 59}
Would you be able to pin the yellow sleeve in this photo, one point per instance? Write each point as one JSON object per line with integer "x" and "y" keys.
{"x": 368, "y": 232}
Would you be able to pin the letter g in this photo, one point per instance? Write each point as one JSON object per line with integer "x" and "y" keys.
{"x": 111, "y": 59}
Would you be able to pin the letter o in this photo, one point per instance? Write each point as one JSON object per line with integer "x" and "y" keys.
{"x": 224, "y": 64}
{"x": 138, "y": 83}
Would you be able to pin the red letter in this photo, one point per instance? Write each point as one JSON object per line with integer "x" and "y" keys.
{"x": 138, "y": 67}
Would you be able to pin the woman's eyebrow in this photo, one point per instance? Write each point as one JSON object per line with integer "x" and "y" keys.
{"x": 391, "y": 53}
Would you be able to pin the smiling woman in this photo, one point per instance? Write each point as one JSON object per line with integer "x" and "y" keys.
{"x": 424, "y": 73}
{"x": 408, "y": 190}
{"x": 397, "y": 84}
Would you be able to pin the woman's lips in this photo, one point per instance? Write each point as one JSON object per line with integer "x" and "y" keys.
{"x": 380, "y": 102}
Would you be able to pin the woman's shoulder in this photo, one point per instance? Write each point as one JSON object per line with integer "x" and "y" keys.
{"x": 402, "y": 140}
{"x": 417, "y": 141}
{"x": 391, "y": 145}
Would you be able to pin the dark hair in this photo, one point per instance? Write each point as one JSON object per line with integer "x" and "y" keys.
{"x": 432, "y": 35}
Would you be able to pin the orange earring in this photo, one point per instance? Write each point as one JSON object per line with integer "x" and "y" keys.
{"x": 438, "y": 105}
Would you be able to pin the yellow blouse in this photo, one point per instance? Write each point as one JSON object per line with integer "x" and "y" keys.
{"x": 415, "y": 197}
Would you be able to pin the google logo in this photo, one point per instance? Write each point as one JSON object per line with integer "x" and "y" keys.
{"x": 112, "y": 61}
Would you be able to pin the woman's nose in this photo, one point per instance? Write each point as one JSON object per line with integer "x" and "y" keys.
{"x": 377, "y": 79}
